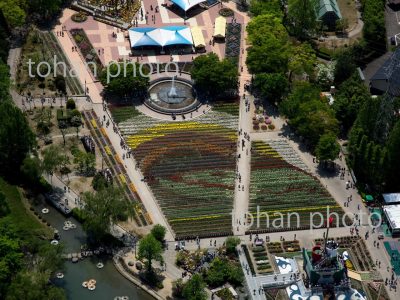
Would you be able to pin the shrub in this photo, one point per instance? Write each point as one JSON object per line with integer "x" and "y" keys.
{"x": 271, "y": 126}
{"x": 231, "y": 242}
{"x": 256, "y": 127}
{"x": 78, "y": 214}
{"x": 74, "y": 113}
{"x": 59, "y": 82}
{"x": 226, "y": 12}
{"x": 71, "y": 104}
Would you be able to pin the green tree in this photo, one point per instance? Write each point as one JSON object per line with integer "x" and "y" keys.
{"x": 194, "y": 289}
{"x": 231, "y": 242}
{"x": 374, "y": 30}
{"x": 46, "y": 9}
{"x": 349, "y": 100}
{"x": 345, "y": 66}
{"x": 271, "y": 86}
{"x": 4, "y": 81}
{"x": 4, "y": 209}
{"x": 150, "y": 249}
{"x": 302, "y": 17}
{"x": 222, "y": 270}
{"x": 99, "y": 182}
{"x": 31, "y": 170}
{"x": 177, "y": 288}
{"x": 313, "y": 120}
{"x": 301, "y": 93}
{"x": 13, "y": 13}
{"x": 16, "y": 139}
{"x": 70, "y": 103}
{"x": 52, "y": 159}
{"x": 302, "y": 60}
{"x": 76, "y": 122}
{"x": 129, "y": 80}
{"x": 261, "y": 7}
{"x": 270, "y": 47}
{"x": 393, "y": 152}
{"x": 159, "y": 231}
{"x": 327, "y": 148}
{"x": 85, "y": 161}
{"x": 213, "y": 77}
{"x": 103, "y": 208}
{"x": 11, "y": 256}
{"x": 32, "y": 286}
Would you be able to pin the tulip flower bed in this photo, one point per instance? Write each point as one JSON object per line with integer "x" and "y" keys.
{"x": 190, "y": 168}
{"x": 278, "y": 187}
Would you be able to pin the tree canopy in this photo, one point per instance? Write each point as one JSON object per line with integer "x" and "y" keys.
{"x": 231, "y": 242}
{"x": 16, "y": 139}
{"x": 213, "y": 77}
{"x": 349, "y": 99}
{"x": 150, "y": 249}
{"x": 4, "y": 81}
{"x": 271, "y": 86}
{"x": 309, "y": 114}
{"x": 260, "y": 7}
{"x": 327, "y": 148}
{"x": 130, "y": 79}
{"x": 159, "y": 231}
{"x": 194, "y": 289}
{"x": 302, "y": 17}
{"x": 103, "y": 208}
{"x": 270, "y": 47}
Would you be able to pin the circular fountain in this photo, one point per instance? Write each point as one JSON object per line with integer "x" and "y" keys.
{"x": 172, "y": 96}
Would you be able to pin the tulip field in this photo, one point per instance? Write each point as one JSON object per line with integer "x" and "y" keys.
{"x": 190, "y": 168}
{"x": 277, "y": 186}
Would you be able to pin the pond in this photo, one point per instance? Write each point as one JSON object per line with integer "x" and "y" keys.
{"x": 109, "y": 282}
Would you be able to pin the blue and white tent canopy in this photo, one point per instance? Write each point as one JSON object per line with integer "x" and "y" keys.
{"x": 164, "y": 36}
{"x": 187, "y": 4}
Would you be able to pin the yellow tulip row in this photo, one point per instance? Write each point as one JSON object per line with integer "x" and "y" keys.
{"x": 94, "y": 124}
{"x": 195, "y": 218}
{"x": 296, "y": 209}
{"x": 108, "y": 150}
{"x": 122, "y": 177}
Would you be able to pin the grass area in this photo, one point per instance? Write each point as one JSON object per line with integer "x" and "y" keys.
{"x": 123, "y": 113}
{"x": 21, "y": 216}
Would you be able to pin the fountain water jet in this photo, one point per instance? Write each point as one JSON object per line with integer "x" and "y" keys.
{"x": 172, "y": 92}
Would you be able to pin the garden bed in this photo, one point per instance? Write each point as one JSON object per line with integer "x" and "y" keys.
{"x": 190, "y": 168}
{"x": 232, "y": 40}
{"x": 289, "y": 189}
{"x": 87, "y": 50}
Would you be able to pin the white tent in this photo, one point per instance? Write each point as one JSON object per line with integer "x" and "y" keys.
{"x": 187, "y": 4}
{"x": 161, "y": 37}
{"x": 198, "y": 38}
{"x": 220, "y": 27}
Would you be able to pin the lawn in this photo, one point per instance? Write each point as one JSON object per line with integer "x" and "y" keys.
{"x": 21, "y": 216}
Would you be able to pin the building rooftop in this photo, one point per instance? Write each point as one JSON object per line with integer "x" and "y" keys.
{"x": 324, "y": 6}
{"x": 392, "y": 213}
